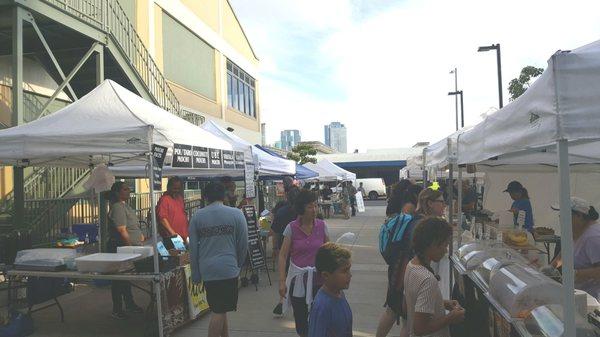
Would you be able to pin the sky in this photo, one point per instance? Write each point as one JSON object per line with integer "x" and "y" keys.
{"x": 382, "y": 67}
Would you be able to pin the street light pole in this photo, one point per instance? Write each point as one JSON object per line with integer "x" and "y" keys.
{"x": 455, "y": 72}
{"x": 462, "y": 108}
{"x": 499, "y": 67}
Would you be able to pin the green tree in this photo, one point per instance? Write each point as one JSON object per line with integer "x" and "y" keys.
{"x": 517, "y": 86}
{"x": 302, "y": 153}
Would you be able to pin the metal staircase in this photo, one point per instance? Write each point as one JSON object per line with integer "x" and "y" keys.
{"x": 128, "y": 62}
{"x": 125, "y": 45}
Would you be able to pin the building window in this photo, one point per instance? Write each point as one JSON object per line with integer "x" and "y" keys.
{"x": 240, "y": 90}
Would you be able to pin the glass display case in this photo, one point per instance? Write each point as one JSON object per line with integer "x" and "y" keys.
{"x": 547, "y": 321}
{"x": 520, "y": 289}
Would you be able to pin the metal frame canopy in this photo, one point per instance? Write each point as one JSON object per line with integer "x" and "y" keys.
{"x": 556, "y": 122}
{"x": 110, "y": 125}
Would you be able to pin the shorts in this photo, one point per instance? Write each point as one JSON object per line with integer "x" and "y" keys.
{"x": 222, "y": 295}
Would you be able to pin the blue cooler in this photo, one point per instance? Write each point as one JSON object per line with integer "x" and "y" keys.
{"x": 82, "y": 229}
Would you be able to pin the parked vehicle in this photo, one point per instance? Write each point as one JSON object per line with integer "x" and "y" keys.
{"x": 374, "y": 187}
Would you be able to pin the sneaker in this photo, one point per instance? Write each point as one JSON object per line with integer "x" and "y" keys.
{"x": 278, "y": 311}
{"x": 119, "y": 315}
{"x": 134, "y": 309}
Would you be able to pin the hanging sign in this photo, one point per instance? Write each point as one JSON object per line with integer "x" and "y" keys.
{"x": 240, "y": 163}
{"x": 200, "y": 157}
{"x": 182, "y": 156}
{"x": 228, "y": 160}
{"x": 249, "y": 181}
{"x": 257, "y": 259}
{"x": 215, "y": 160}
{"x": 158, "y": 155}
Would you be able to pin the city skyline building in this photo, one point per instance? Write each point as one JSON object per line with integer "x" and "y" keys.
{"x": 336, "y": 136}
{"x": 289, "y": 139}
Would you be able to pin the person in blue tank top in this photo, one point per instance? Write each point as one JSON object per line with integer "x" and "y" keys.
{"x": 521, "y": 202}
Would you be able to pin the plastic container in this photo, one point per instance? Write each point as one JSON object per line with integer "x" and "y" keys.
{"x": 144, "y": 251}
{"x": 475, "y": 259}
{"x": 56, "y": 255}
{"x": 105, "y": 263}
{"x": 469, "y": 247}
{"x": 520, "y": 289}
{"x": 548, "y": 321}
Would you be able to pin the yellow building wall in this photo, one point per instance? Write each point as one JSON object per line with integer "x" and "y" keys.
{"x": 142, "y": 24}
{"x": 205, "y": 10}
{"x": 235, "y": 117}
{"x": 158, "y": 28}
{"x": 233, "y": 33}
{"x": 6, "y": 180}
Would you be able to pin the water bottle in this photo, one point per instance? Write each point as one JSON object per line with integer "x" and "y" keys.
{"x": 87, "y": 239}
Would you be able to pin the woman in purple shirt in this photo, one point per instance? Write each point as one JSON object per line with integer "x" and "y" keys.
{"x": 586, "y": 234}
{"x": 302, "y": 239}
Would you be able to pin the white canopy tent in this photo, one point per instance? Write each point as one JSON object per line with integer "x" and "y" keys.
{"x": 325, "y": 175}
{"x": 109, "y": 125}
{"x": 338, "y": 171}
{"x": 555, "y": 123}
{"x": 266, "y": 164}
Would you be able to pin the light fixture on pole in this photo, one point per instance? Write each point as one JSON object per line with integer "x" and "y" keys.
{"x": 455, "y": 72}
{"x": 496, "y": 47}
{"x": 462, "y": 107}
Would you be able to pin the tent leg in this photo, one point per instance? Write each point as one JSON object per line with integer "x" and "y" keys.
{"x": 450, "y": 218}
{"x": 459, "y": 201}
{"x": 157, "y": 287}
{"x": 567, "y": 237}
{"x": 17, "y": 110}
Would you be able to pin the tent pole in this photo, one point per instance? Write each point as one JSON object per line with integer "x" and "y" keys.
{"x": 450, "y": 202}
{"x": 424, "y": 169}
{"x": 459, "y": 201}
{"x": 157, "y": 288}
{"x": 567, "y": 238}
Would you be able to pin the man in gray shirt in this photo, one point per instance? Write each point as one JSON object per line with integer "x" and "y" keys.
{"x": 218, "y": 246}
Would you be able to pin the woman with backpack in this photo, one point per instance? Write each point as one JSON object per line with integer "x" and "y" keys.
{"x": 428, "y": 202}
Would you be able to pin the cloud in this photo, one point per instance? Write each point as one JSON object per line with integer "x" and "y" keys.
{"x": 382, "y": 67}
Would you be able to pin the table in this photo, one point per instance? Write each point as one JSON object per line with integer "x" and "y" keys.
{"x": 547, "y": 240}
{"x": 174, "y": 309}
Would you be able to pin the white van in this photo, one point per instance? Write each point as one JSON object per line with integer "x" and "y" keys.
{"x": 374, "y": 187}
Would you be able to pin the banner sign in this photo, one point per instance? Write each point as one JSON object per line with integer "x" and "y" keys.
{"x": 216, "y": 160}
{"x": 249, "y": 180}
{"x": 196, "y": 295}
{"x": 200, "y": 156}
{"x": 257, "y": 259}
{"x": 360, "y": 203}
{"x": 240, "y": 162}
{"x": 228, "y": 160}
{"x": 158, "y": 155}
{"x": 182, "y": 156}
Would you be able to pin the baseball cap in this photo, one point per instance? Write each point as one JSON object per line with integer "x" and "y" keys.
{"x": 577, "y": 205}
{"x": 513, "y": 186}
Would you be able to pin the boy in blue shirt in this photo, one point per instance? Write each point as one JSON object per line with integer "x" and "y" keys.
{"x": 330, "y": 315}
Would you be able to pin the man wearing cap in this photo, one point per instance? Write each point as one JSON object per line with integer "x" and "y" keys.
{"x": 586, "y": 235}
{"x": 520, "y": 203}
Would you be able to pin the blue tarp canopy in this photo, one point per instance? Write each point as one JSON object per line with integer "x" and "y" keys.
{"x": 302, "y": 172}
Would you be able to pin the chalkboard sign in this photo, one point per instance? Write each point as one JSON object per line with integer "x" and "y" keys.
{"x": 182, "y": 156}
{"x": 158, "y": 155}
{"x": 240, "y": 163}
{"x": 215, "y": 159}
{"x": 200, "y": 157}
{"x": 228, "y": 160}
{"x": 257, "y": 259}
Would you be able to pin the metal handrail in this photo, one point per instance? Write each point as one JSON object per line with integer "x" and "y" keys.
{"x": 109, "y": 16}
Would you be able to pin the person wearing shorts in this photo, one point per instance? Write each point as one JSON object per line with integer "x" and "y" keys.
{"x": 218, "y": 250}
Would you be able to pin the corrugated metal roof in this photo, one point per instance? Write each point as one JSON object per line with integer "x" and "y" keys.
{"x": 374, "y": 155}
